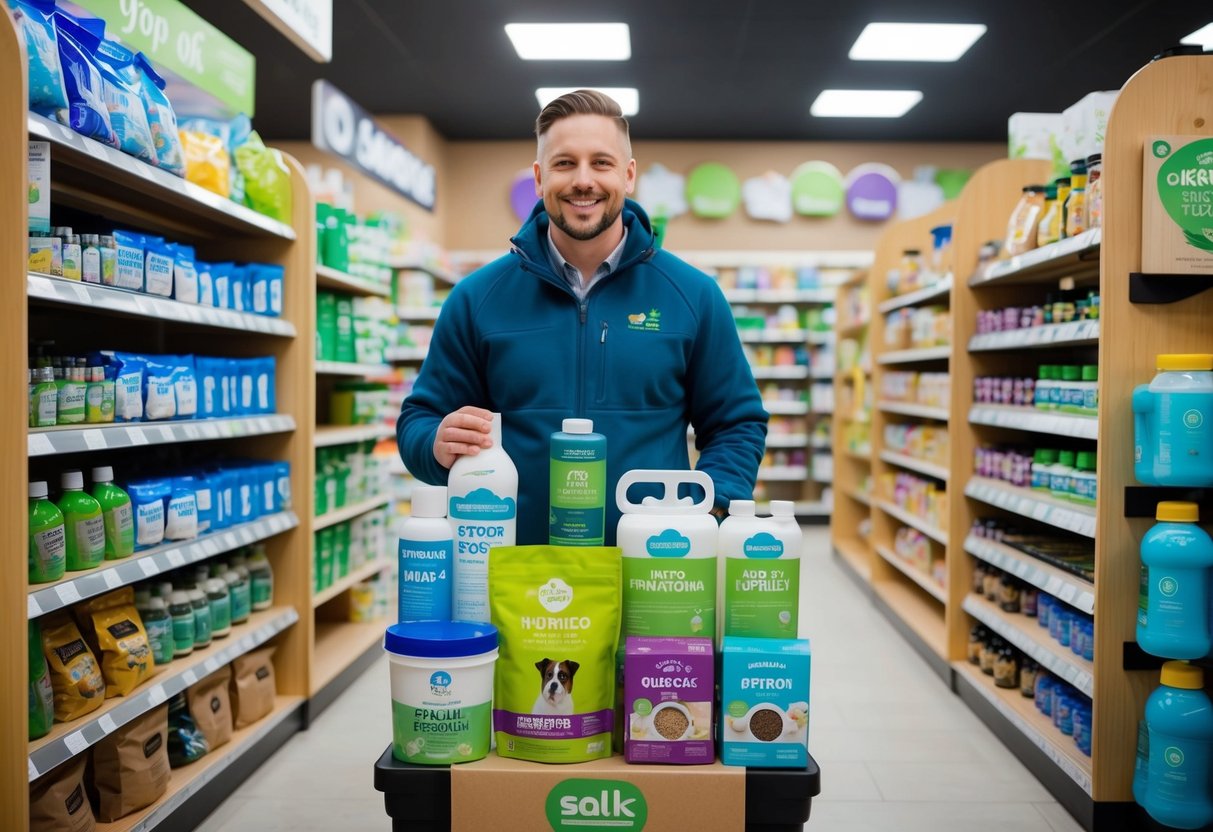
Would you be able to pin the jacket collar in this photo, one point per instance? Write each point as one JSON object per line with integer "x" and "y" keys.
{"x": 530, "y": 243}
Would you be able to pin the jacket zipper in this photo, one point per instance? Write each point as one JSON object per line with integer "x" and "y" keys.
{"x": 602, "y": 365}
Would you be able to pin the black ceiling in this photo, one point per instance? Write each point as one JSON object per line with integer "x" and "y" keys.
{"x": 709, "y": 69}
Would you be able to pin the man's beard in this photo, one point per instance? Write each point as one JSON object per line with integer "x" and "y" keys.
{"x": 583, "y": 234}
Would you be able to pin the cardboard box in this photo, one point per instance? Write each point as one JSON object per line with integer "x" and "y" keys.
{"x": 505, "y": 795}
{"x": 1177, "y": 205}
{"x": 1037, "y": 136}
{"x": 764, "y": 696}
{"x": 39, "y": 189}
{"x": 669, "y": 685}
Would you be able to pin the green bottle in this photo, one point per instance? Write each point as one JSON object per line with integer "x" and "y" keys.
{"x": 44, "y": 404}
{"x": 158, "y": 624}
{"x": 41, "y": 696}
{"x": 261, "y": 579}
{"x": 116, "y": 511}
{"x": 221, "y": 607}
{"x": 83, "y": 522}
{"x": 182, "y": 612}
{"x": 98, "y": 408}
{"x": 72, "y": 394}
{"x": 47, "y": 537}
{"x": 239, "y": 595}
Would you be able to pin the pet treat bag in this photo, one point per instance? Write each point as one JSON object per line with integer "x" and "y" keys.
{"x": 764, "y": 701}
{"x": 211, "y": 707}
{"x": 669, "y": 688}
{"x": 75, "y": 674}
{"x": 556, "y": 610}
{"x": 57, "y": 801}
{"x": 115, "y": 632}
{"x": 130, "y": 766}
{"x": 252, "y": 689}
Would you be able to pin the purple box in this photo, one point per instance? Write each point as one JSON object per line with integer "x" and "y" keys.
{"x": 669, "y": 685}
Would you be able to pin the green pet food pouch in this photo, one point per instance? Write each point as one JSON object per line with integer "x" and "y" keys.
{"x": 556, "y": 609}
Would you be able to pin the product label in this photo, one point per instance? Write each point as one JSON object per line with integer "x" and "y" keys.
{"x": 262, "y": 591}
{"x": 276, "y": 297}
{"x": 440, "y": 735}
{"x": 241, "y": 602}
{"x": 91, "y": 266}
{"x": 761, "y": 599}
{"x": 183, "y": 632}
{"x": 578, "y": 500}
{"x": 425, "y": 579}
{"x": 160, "y": 638}
{"x": 582, "y": 803}
{"x": 483, "y": 524}
{"x": 260, "y": 298}
{"x": 202, "y": 625}
{"x": 221, "y": 612}
{"x": 149, "y": 523}
{"x": 667, "y": 597}
{"x": 120, "y": 529}
{"x": 186, "y": 389}
{"x": 1143, "y": 596}
{"x": 48, "y": 407}
{"x": 48, "y": 551}
{"x": 1185, "y": 445}
{"x": 90, "y": 539}
{"x": 71, "y": 399}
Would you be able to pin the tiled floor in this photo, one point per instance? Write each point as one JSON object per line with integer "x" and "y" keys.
{"x": 897, "y": 750}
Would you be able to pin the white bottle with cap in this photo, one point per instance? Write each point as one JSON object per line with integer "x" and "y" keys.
{"x": 762, "y": 575}
{"x": 741, "y": 523}
{"x": 577, "y": 485}
{"x": 425, "y": 545}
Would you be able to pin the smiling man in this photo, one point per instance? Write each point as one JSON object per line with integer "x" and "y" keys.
{"x": 586, "y": 318}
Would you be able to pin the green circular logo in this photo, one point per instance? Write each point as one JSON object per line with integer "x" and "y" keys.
{"x": 817, "y": 190}
{"x": 1193, "y": 419}
{"x": 1173, "y": 756}
{"x": 1168, "y": 586}
{"x": 643, "y": 707}
{"x": 713, "y": 191}
{"x": 1162, "y": 149}
{"x": 737, "y": 709}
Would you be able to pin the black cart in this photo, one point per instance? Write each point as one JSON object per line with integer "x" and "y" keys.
{"x": 418, "y": 798}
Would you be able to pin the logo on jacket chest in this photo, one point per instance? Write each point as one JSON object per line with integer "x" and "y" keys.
{"x": 645, "y": 321}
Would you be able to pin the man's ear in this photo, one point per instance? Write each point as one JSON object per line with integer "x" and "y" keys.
{"x": 630, "y": 177}
{"x": 539, "y": 179}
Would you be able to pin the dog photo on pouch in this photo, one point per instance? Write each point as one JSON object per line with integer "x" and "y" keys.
{"x": 556, "y": 687}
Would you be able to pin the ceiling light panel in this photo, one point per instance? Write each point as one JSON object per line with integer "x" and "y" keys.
{"x": 864, "y": 103}
{"x": 571, "y": 41}
{"x": 1202, "y": 37}
{"x": 628, "y": 98}
{"x": 915, "y": 41}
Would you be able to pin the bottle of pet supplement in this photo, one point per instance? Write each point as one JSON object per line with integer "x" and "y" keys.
{"x": 44, "y": 409}
{"x": 762, "y": 576}
{"x": 83, "y": 522}
{"x": 261, "y": 579}
{"x": 182, "y": 612}
{"x": 482, "y": 494}
{"x": 1179, "y": 721}
{"x": 241, "y": 597}
{"x": 425, "y": 549}
{"x": 158, "y": 624}
{"x": 577, "y": 485}
{"x": 201, "y": 606}
{"x": 47, "y": 537}
{"x": 116, "y": 512}
{"x": 221, "y": 607}
{"x": 1176, "y": 575}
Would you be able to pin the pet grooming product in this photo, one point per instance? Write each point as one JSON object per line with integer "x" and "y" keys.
{"x": 47, "y": 537}
{"x": 578, "y": 491}
{"x": 1179, "y": 719}
{"x": 116, "y": 513}
{"x": 1176, "y": 570}
{"x": 425, "y": 547}
{"x": 83, "y": 522}
{"x": 762, "y": 573}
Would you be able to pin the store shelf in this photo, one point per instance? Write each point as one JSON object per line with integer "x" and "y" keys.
{"x": 362, "y": 573}
{"x": 915, "y": 355}
{"x": 72, "y": 439}
{"x": 787, "y": 371}
{"x": 820, "y": 337}
{"x": 784, "y": 473}
{"x": 349, "y": 368}
{"x": 860, "y": 455}
{"x": 913, "y": 573}
{"x": 1073, "y": 334}
{"x": 1028, "y": 503}
{"x": 76, "y": 586}
{"x": 327, "y": 435}
{"x": 418, "y": 313}
{"x": 913, "y": 521}
{"x": 188, "y": 781}
{"x": 1046, "y": 264}
{"x": 406, "y": 353}
{"x": 822, "y": 411}
{"x": 795, "y": 440}
{"x": 327, "y": 278}
{"x": 122, "y": 302}
{"x": 931, "y": 469}
{"x": 818, "y": 296}
{"x": 68, "y": 739}
{"x": 852, "y": 330}
{"x": 773, "y": 336}
{"x": 860, "y": 497}
{"x": 1033, "y": 640}
{"x": 920, "y": 410}
{"x": 332, "y": 518}
{"x": 410, "y": 265}
{"x": 821, "y": 375}
{"x": 1039, "y": 729}
{"x": 340, "y": 643}
{"x": 919, "y": 613}
{"x": 1059, "y": 583}
{"x": 1036, "y": 421}
{"x": 80, "y": 164}
{"x": 855, "y": 553}
{"x": 934, "y": 292}
{"x": 780, "y": 408}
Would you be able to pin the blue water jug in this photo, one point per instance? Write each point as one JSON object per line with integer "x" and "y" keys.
{"x": 1173, "y": 423}
{"x": 1176, "y": 578}
{"x": 1179, "y": 719}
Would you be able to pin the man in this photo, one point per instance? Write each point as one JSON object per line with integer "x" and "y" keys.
{"x": 586, "y": 318}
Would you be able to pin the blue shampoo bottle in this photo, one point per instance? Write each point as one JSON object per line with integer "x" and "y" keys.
{"x": 1179, "y": 717}
{"x": 1176, "y": 572}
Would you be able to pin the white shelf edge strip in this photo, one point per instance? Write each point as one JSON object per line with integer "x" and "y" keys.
{"x": 328, "y": 435}
{"x": 1036, "y": 336}
{"x": 914, "y": 464}
{"x": 135, "y": 434}
{"x": 340, "y": 515}
{"x": 152, "y": 693}
{"x": 155, "y": 561}
{"x": 908, "y": 409}
{"x": 790, "y": 371}
{"x": 821, "y": 296}
{"x": 112, "y": 299}
{"x": 773, "y": 336}
{"x": 778, "y": 408}
{"x": 1039, "y": 257}
{"x": 910, "y": 571}
{"x": 1055, "y": 662}
{"x": 777, "y": 473}
{"x": 406, "y": 353}
{"x": 1026, "y": 503}
{"x": 350, "y": 368}
{"x": 910, "y": 520}
{"x": 1050, "y": 749}
{"x": 1073, "y": 590}
{"x": 206, "y": 201}
{"x": 935, "y": 290}
{"x": 1036, "y": 421}
{"x": 911, "y": 356}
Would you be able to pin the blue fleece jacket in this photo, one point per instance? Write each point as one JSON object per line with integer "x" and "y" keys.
{"x": 652, "y": 348}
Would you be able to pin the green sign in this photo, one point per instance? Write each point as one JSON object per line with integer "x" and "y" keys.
{"x": 817, "y": 190}
{"x": 713, "y": 191}
{"x": 179, "y": 40}
{"x": 1185, "y": 187}
{"x": 582, "y": 803}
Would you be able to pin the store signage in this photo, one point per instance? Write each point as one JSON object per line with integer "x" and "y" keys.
{"x": 872, "y": 192}
{"x": 309, "y": 23}
{"x": 583, "y": 802}
{"x": 181, "y": 41}
{"x": 713, "y": 191}
{"x": 1177, "y": 220}
{"x": 342, "y": 127}
{"x": 817, "y": 189}
{"x": 522, "y": 194}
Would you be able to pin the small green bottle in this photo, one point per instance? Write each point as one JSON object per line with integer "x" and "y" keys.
{"x": 158, "y": 624}
{"x": 221, "y": 607}
{"x": 261, "y": 579}
{"x": 240, "y": 594}
{"x": 44, "y": 408}
{"x": 83, "y": 522}
{"x": 72, "y": 395}
{"x": 94, "y": 397}
{"x": 47, "y": 537}
{"x": 41, "y": 696}
{"x": 202, "y": 616}
{"x": 182, "y": 612}
{"x": 116, "y": 511}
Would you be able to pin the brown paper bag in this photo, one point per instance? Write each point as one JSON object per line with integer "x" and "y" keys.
{"x": 130, "y": 766}
{"x": 57, "y": 802}
{"x": 253, "y": 687}
{"x": 211, "y": 707}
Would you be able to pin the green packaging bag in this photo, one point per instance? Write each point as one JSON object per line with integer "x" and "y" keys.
{"x": 557, "y": 612}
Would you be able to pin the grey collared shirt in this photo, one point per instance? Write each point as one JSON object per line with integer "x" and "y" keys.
{"x": 572, "y": 274}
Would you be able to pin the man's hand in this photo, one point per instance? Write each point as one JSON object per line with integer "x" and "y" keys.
{"x": 463, "y": 432}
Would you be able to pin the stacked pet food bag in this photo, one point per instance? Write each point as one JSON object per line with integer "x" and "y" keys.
{"x": 676, "y": 645}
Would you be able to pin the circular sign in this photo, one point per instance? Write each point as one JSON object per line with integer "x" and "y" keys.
{"x": 713, "y": 191}
{"x": 817, "y": 190}
{"x": 872, "y": 192}
{"x": 522, "y": 195}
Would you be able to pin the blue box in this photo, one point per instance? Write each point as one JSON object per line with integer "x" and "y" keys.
{"x": 764, "y": 705}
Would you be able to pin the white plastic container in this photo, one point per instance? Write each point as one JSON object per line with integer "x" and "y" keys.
{"x": 425, "y": 547}
{"x": 483, "y": 509}
{"x": 669, "y": 556}
{"x": 442, "y": 690}
{"x": 762, "y": 573}
{"x": 741, "y": 523}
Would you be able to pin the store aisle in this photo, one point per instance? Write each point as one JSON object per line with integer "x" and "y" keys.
{"x": 897, "y": 750}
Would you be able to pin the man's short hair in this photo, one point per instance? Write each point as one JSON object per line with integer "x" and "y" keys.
{"x": 578, "y": 103}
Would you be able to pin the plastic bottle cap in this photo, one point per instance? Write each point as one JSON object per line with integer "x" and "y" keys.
{"x": 440, "y": 639}
{"x": 1176, "y": 512}
{"x": 741, "y": 508}
{"x": 1185, "y": 361}
{"x": 1182, "y": 675}
{"x": 783, "y": 508}
{"x": 73, "y": 480}
{"x": 103, "y": 473}
{"x": 1090, "y": 372}
{"x": 577, "y": 426}
{"x": 429, "y": 501}
{"x": 1086, "y": 461}
{"x": 1045, "y": 456}
{"x": 38, "y": 490}
{"x": 179, "y": 596}
{"x": 1070, "y": 372}
{"x": 1066, "y": 458}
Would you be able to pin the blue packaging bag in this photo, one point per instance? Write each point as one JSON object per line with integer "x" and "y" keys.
{"x": 34, "y": 18}
{"x": 159, "y": 396}
{"x": 128, "y": 270}
{"x": 240, "y": 290}
{"x": 204, "y": 498}
{"x": 181, "y": 510}
{"x": 267, "y": 475}
{"x": 265, "y": 399}
{"x": 129, "y": 375}
{"x": 267, "y": 288}
{"x": 221, "y": 275}
{"x": 86, "y": 110}
{"x": 282, "y": 471}
{"x": 148, "y": 498}
{"x": 158, "y": 266}
{"x": 211, "y": 401}
{"x": 120, "y": 86}
{"x": 186, "y": 286}
{"x": 160, "y": 118}
{"x": 185, "y": 385}
{"x": 206, "y": 283}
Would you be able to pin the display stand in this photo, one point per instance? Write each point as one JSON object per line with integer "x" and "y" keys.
{"x": 418, "y": 798}
{"x": 851, "y": 424}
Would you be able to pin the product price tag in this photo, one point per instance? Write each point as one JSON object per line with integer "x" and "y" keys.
{"x": 112, "y": 581}
{"x": 166, "y": 434}
{"x": 75, "y": 742}
{"x": 1068, "y": 592}
{"x": 32, "y": 608}
{"x": 189, "y": 677}
{"x": 40, "y": 444}
{"x": 229, "y": 541}
{"x": 147, "y": 306}
{"x": 156, "y": 695}
{"x": 247, "y": 643}
{"x": 148, "y": 565}
{"x": 191, "y": 432}
{"x": 193, "y": 313}
{"x": 210, "y": 665}
{"x": 93, "y": 439}
{"x": 247, "y": 536}
{"x": 209, "y": 547}
{"x": 107, "y": 724}
{"x": 175, "y": 558}
{"x": 136, "y": 436}
{"x": 81, "y": 294}
{"x": 68, "y": 593}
